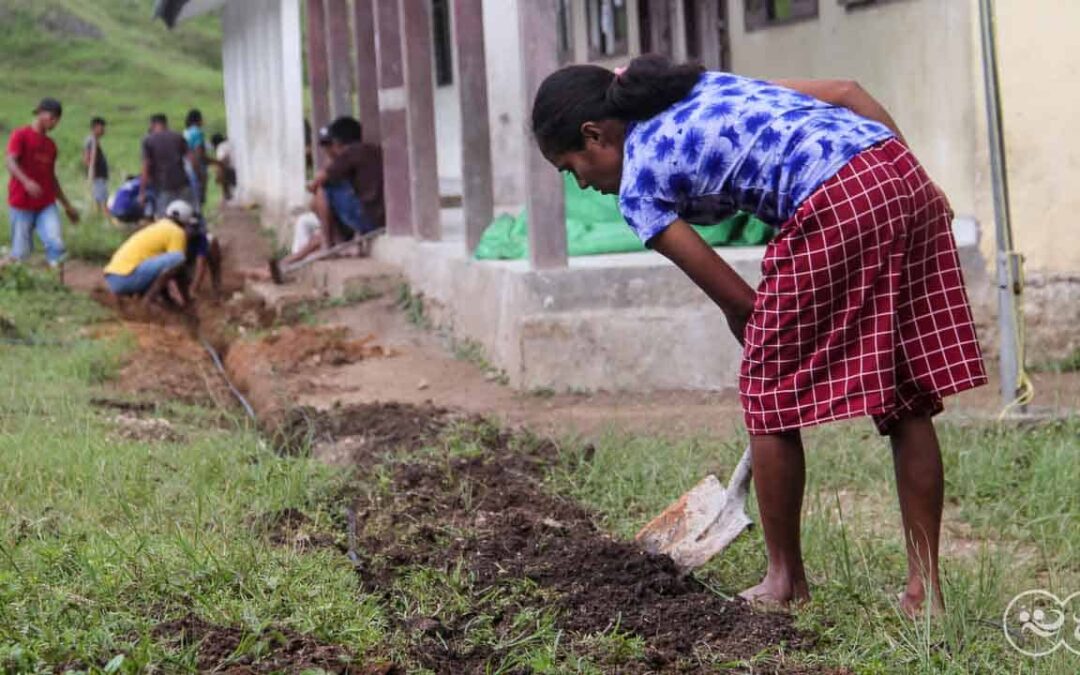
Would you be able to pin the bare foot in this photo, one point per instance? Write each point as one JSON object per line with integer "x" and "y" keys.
{"x": 776, "y": 595}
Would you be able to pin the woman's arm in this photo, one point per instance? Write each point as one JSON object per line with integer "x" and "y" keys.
{"x": 681, "y": 244}
{"x": 848, "y": 94}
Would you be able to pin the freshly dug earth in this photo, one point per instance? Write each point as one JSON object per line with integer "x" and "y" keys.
{"x": 489, "y": 511}
{"x": 169, "y": 365}
{"x": 279, "y": 649}
{"x": 361, "y": 434}
{"x": 294, "y": 347}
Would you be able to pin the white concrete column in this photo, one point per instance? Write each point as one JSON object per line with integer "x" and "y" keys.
{"x": 261, "y": 66}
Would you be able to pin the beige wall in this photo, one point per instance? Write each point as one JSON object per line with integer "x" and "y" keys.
{"x": 922, "y": 60}
{"x": 1039, "y": 55}
{"x": 913, "y": 55}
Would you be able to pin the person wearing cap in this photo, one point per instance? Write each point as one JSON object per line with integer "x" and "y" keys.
{"x": 34, "y": 189}
{"x": 97, "y": 166}
{"x": 164, "y": 176}
{"x": 348, "y": 191}
{"x": 148, "y": 262}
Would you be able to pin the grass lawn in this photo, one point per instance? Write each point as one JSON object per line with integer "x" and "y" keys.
{"x": 103, "y": 537}
{"x": 106, "y": 58}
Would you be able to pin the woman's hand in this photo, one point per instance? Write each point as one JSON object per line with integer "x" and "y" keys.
{"x": 681, "y": 244}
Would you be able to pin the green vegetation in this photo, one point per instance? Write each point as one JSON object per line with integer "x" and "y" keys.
{"x": 105, "y": 58}
{"x": 103, "y": 537}
{"x": 1012, "y": 524}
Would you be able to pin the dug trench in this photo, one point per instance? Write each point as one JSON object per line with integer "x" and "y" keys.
{"x": 437, "y": 492}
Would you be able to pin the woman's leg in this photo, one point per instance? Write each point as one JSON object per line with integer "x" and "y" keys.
{"x": 920, "y": 484}
{"x": 779, "y": 469}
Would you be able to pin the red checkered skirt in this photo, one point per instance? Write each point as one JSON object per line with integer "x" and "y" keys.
{"x": 861, "y": 309}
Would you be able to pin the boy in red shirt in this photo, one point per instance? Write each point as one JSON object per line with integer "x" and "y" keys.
{"x": 34, "y": 190}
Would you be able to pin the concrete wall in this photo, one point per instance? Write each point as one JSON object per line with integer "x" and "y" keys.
{"x": 264, "y": 103}
{"x": 915, "y": 56}
{"x": 1039, "y": 65}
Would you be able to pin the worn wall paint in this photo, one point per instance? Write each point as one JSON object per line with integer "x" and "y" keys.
{"x": 1040, "y": 86}
{"x": 264, "y": 100}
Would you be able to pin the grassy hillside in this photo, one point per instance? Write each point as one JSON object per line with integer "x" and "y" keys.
{"x": 107, "y": 58}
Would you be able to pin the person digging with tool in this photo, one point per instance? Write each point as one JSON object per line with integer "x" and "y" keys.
{"x": 348, "y": 192}
{"x": 148, "y": 263}
{"x": 861, "y": 307}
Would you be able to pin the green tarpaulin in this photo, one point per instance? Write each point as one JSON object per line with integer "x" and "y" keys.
{"x": 594, "y": 225}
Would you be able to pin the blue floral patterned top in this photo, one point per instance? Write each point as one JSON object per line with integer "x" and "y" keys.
{"x": 735, "y": 144}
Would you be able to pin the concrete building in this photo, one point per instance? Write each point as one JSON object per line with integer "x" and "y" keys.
{"x": 445, "y": 84}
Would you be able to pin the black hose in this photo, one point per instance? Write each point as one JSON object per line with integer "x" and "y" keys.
{"x": 221, "y": 369}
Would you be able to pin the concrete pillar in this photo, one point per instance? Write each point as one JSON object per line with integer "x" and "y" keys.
{"x": 393, "y": 125}
{"x": 264, "y": 88}
{"x": 477, "y": 194}
{"x": 318, "y": 74}
{"x": 366, "y": 68}
{"x": 660, "y": 28}
{"x": 339, "y": 51}
{"x": 677, "y": 16}
{"x": 707, "y": 19}
{"x": 420, "y": 111}
{"x": 545, "y": 199}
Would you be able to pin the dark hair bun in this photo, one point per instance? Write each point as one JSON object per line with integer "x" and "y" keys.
{"x": 573, "y": 95}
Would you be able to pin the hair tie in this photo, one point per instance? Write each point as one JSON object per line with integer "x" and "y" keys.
{"x": 618, "y": 71}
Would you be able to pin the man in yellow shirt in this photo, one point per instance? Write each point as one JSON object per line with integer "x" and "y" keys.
{"x": 148, "y": 262}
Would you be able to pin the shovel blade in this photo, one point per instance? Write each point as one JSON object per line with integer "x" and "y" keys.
{"x": 698, "y": 525}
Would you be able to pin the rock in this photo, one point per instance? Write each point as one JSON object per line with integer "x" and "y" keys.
{"x": 422, "y": 385}
{"x": 65, "y": 24}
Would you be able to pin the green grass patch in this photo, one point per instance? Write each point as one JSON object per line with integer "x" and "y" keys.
{"x": 1011, "y": 493}
{"x": 102, "y": 537}
{"x": 125, "y": 67}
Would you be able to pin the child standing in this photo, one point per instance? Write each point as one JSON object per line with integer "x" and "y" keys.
{"x": 97, "y": 166}
{"x": 861, "y": 308}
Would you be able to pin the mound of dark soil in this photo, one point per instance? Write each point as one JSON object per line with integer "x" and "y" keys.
{"x": 372, "y": 428}
{"x": 492, "y": 513}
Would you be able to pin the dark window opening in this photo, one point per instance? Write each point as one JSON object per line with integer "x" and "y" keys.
{"x": 442, "y": 42}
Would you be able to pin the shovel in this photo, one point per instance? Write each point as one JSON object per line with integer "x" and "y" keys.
{"x": 278, "y": 271}
{"x": 702, "y": 522}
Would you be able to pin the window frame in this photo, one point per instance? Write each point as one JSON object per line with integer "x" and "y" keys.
{"x": 442, "y": 53}
{"x": 755, "y": 14}
{"x": 622, "y": 44}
